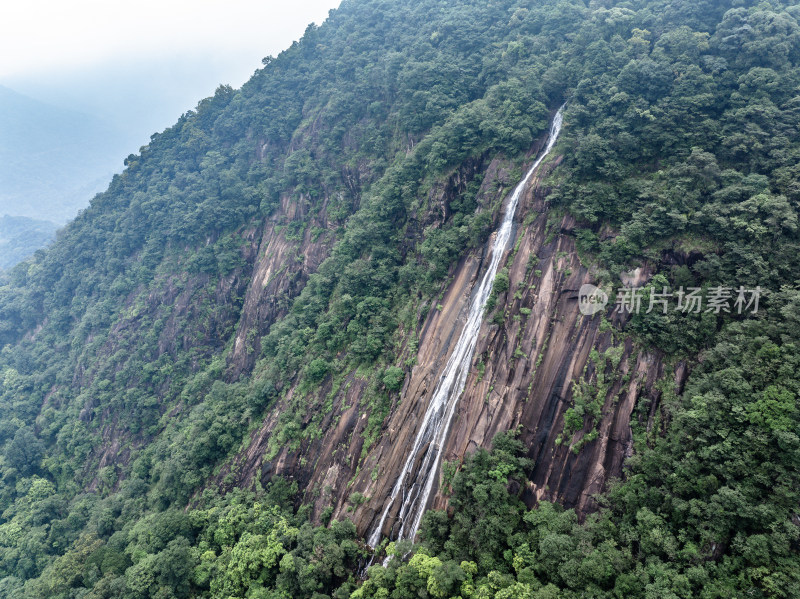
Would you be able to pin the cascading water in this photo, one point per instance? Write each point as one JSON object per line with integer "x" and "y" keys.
{"x": 438, "y": 417}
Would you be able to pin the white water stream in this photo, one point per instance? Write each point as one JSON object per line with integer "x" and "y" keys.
{"x": 414, "y": 489}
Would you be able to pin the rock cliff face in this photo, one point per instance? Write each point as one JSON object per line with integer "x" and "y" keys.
{"x": 540, "y": 366}
{"x": 280, "y": 270}
{"x": 524, "y": 372}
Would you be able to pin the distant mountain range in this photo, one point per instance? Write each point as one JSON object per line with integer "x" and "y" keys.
{"x": 21, "y": 236}
{"x": 52, "y": 160}
{"x": 62, "y": 137}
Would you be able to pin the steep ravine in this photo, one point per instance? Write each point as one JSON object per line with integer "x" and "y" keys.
{"x": 522, "y": 377}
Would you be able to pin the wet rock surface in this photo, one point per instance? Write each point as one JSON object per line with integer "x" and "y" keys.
{"x": 528, "y": 364}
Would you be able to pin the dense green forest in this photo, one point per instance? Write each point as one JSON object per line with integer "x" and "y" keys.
{"x": 681, "y": 136}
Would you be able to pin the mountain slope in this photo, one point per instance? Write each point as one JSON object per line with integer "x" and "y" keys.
{"x": 210, "y": 381}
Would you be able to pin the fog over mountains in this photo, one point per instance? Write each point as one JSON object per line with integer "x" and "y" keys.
{"x": 64, "y": 135}
{"x": 81, "y": 89}
{"x": 52, "y": 160}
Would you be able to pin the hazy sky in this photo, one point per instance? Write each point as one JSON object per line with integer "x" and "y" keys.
{"x": 39, "y": 36}
{"x": 132, "y": 68}
{"x": 139, "y": 64}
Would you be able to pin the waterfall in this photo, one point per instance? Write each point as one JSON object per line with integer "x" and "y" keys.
{"x": 436, "y": 422}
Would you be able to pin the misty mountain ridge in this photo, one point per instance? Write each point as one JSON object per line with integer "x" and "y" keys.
{"x": 52, "y": 160}
{"x": 21, "y": 236}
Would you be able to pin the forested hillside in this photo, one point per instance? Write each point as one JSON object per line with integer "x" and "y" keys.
{"x": 207, "y": 380}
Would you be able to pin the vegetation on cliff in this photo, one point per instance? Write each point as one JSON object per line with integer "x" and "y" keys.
{"x": 117, "y": 402}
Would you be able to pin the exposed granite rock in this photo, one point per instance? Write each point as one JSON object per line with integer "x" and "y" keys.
{"x": 524, "y": 375}
{"x": 281, "y": 269}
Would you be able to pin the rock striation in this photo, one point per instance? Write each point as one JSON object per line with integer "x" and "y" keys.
{"x": 537, "y": 358}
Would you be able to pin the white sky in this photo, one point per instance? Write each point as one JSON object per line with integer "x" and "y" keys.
{"x": 139, "y": 64}
{"x": 43, "y": 35}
